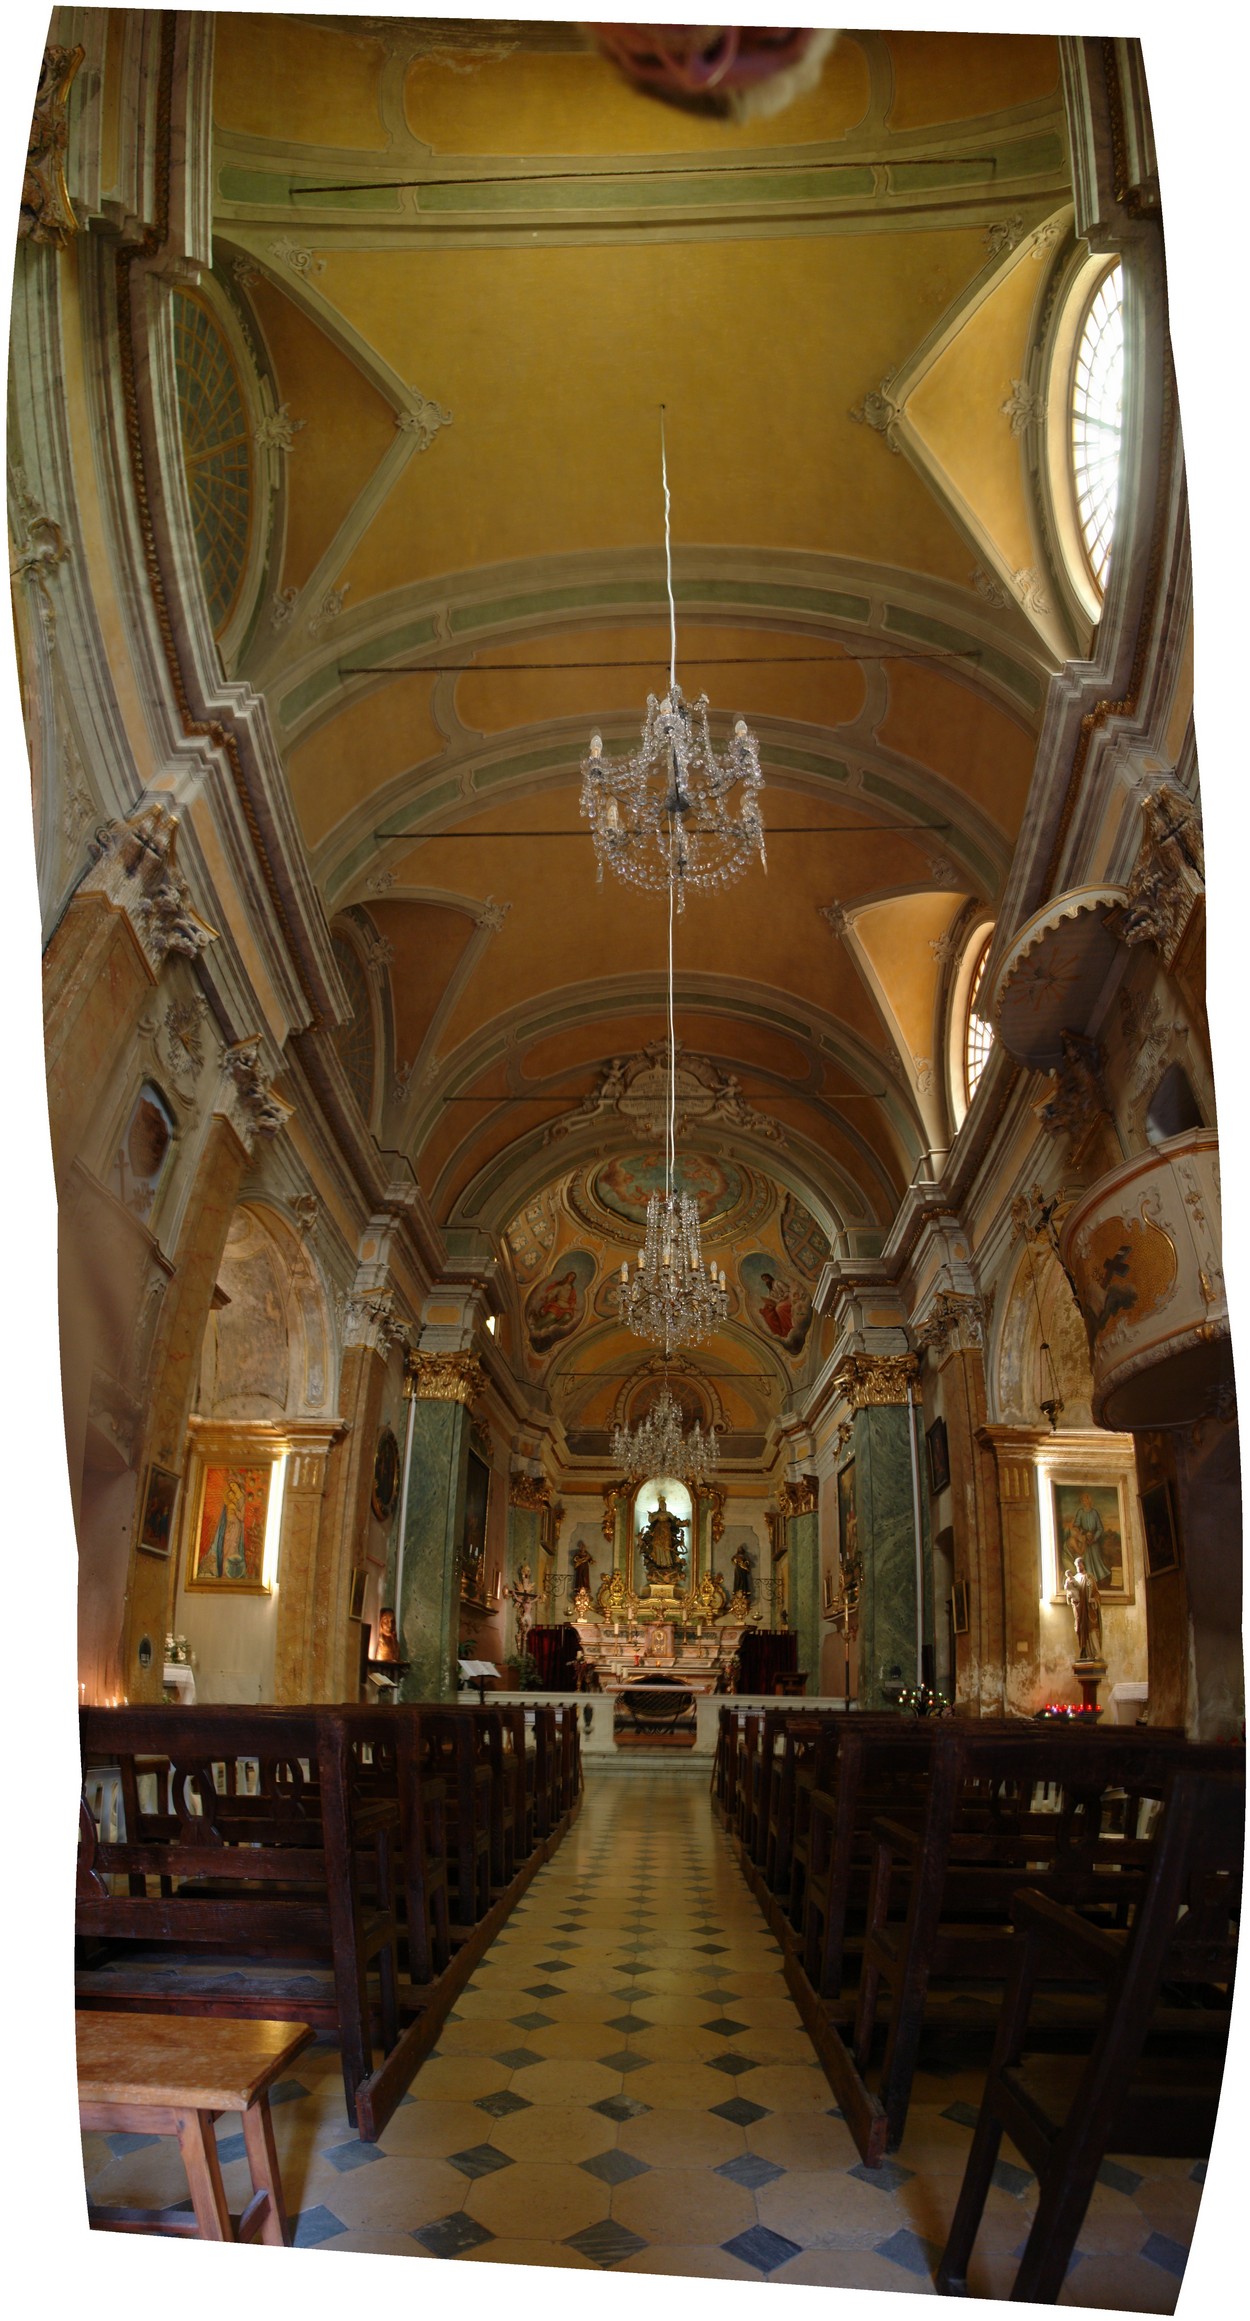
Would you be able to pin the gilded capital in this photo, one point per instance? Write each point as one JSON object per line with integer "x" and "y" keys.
{"x": 443, "y": 1377}
{"x": 868, "y": 1381}
{"x": 529, "y": 1491}
{"x": 801, "y": 1497}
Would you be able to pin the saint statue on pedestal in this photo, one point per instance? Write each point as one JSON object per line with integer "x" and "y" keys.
{"x": 1081, "y": 1590}
{"x": 663, "y": 1547}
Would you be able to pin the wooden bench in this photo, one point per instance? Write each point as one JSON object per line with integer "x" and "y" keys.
{"x": 159, "y": 2075}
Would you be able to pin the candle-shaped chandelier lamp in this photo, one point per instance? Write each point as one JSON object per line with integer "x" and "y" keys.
{"x": 675, "y": 814}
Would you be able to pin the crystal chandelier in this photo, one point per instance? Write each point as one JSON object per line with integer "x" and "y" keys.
{"x": 672, "y": 1298}
{"x": 658, "y": 1447}
{"x": 668, "y": 817}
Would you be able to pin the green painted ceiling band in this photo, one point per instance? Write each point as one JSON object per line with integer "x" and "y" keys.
{"x": 831, "y": 769}
{"x": 643, "y": 193}
{"x": 428, "y": 803}
{"x": 519, "y": 608}
{"x": 1018, "y": 680}
{"x": 265, "y": 189}
{"x": 302, "y": 698}
{"x": 535, "y": 761}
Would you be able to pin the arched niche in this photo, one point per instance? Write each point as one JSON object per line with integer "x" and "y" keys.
{"x": 267, "y": 1347}
{"x": 646, "y": 1501}
{"x": 1041, "y": 1309}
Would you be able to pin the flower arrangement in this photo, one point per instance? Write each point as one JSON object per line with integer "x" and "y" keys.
{"x": 178, "y": 1652}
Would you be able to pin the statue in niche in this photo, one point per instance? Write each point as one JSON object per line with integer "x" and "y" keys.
{"x": 581, "y": 1569}
{"x": 1081, "y": 1590}
{"x": 386, "y": 1643}
{"x": 743, "y": 1583}
{"x": 663, "y": 1547}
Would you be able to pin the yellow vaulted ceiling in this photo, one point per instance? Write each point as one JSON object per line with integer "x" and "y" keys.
{"x": 475, "y": 263}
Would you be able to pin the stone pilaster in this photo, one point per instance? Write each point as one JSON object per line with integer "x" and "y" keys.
{"x": 1003, "y": 1578}
{"x": 954, "y": 1333}
{"x": 344, "y": 1523}
{"x": 428, "y": 1613}
{"x": 302, "y": 1609}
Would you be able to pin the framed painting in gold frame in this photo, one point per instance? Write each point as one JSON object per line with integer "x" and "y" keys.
{"x": 226, "y": 1553}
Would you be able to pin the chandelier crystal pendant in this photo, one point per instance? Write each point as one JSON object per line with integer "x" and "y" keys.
{"x": 657, "y": 1446}
{"x": 675, "y": 814}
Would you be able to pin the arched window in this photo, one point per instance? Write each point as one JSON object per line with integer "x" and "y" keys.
{"x": 1096, "y": 421}
{"x": 978, "y": 1030}
{"x": 969, "y": 1034}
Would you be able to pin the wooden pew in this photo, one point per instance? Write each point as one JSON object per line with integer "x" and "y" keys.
{"x": 300, "y": 1872}
{"x": 977, "y": 1842}
{"x": 1137, "y": 2090}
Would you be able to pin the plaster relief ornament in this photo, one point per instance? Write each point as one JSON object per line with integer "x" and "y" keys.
{"x": 1024, "y": 407}
{"x": 879, "y": 411}
{"x": 298, "y": 257}
{"x": 46, "y": 213}
{"x": 133, "y": 863}
{"x": 423, "y": 420}
{"x": 264, "y": 1112}
{"x": 637, "y": 1089}
{"x": 276, "y": 430}
{"x": 1003, "y": 235}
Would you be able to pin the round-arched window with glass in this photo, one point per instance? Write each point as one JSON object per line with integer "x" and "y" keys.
{"x": 1097, "y": 424}
{"x": 978, "y": 1030}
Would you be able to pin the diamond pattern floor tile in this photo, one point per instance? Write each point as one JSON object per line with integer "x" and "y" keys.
{"x": 762, "y": 2248}
{"x": 615, "y": 2167}
{"x": 343, "y": 2156}
{"x": 607, "y": 2243}
{"x": 910, "y": 2251}
{"x": 500, "y": 2105}
{"x": 750, "y": 2170}
{"x": 479, "y": 2160}
{"x": 452, "y": 2235}
{"x": 313, "y": 2225}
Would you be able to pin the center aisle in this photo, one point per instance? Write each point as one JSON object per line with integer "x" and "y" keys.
{"x": 626, "y": 2083}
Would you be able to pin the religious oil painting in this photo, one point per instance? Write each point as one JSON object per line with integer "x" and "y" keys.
{"x": 555, "y": 1306}
{"x": 848, "y": 1520}
{"x": 1089, "y": 1522}
{"x": 473, "y": 1550}
{"x": 778, "y": 1302}
{"x": 625, "y": 1184}
{"x": 228, "y": 1543}
{"x": 159, "y": 1502}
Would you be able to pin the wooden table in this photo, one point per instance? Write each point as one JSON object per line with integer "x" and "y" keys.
{"x": 169, "y": 2075}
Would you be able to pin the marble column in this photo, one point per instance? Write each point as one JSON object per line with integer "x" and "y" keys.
{"x": 428, "y": 1612}
{"x": 1003, "y": 1567}
{"x": 875, "y": 1388}
{"x": 799, "y": 1504}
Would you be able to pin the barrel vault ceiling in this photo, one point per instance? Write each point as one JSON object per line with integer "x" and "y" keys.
{"x": 467, "y": 267}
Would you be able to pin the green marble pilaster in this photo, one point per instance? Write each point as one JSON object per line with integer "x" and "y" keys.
{"x": 883, "y": 1499}
{"x": 429, "y": 1614}
{"x": 804, "y": 1544}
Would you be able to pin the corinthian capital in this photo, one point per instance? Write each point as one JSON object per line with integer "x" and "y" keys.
{"x": 869, "y": 1381}
{"x": 444, "y": 1377}
{"x": 134, "y": 865}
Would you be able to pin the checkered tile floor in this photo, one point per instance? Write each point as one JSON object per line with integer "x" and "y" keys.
{"x": 626, "y": 2083}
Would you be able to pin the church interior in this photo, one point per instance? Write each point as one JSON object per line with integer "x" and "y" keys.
{"x": 646, "y": 1224}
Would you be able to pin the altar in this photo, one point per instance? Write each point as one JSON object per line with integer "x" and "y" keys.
{"x": 681, "y": 1629}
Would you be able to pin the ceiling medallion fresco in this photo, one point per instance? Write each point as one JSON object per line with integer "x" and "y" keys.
{"x": 612, "y": 1195}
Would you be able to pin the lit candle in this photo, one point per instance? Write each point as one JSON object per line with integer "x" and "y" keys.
{"x": 624, "y": 1275}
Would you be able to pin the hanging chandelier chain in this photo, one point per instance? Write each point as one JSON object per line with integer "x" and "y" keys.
{"x": 668, "y": 559}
